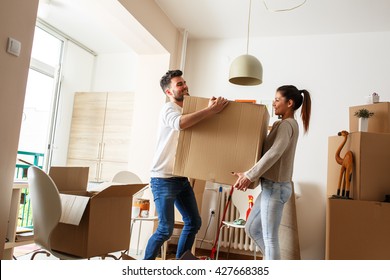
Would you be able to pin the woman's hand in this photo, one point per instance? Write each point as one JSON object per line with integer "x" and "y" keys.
{"x": 242, "y": 182}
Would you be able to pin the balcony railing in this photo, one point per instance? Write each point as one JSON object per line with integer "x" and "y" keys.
{"x": 24, "y": 161}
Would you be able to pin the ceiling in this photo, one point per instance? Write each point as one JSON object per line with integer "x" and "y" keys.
{"x": 105, "y": 26}
{"x": 229, "y": 18}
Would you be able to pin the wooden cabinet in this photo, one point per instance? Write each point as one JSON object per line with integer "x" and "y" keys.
{"x": 100, "y": 133}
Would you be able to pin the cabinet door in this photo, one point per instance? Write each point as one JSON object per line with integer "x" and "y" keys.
{"x": 117, "y": 127}
{"x": 87, "y": 126}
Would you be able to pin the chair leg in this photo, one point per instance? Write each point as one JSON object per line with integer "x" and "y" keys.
{"x": 193, "y": 247}
{"x": 139, "y": 236}
{"x": 230, "y": 241}
{"x": 164, "y": 248}
{"x": 40, "y": 252}
{"x": 109, "y": 256}
{"x": 219, "y": 243}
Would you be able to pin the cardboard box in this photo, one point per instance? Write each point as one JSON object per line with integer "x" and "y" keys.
{"x": 69, "y": 178}
{"x": 379, "y": 122}
{"x": 231, "y": 140}
{"x": 370, "y": 178}
{"x": 93, "y": 223}
{"x": 357, "y": 230}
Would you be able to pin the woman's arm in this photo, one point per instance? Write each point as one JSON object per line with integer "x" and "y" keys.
{"x": 282, "y": 139}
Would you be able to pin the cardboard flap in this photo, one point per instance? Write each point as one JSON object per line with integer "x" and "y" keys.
{"x": 73, "y": 207}
{"x": 121, "y": 190}
{"x": 69, "y": 178}
{"x": 102, "y": 186}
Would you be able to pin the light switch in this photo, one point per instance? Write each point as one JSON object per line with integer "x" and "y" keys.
{"x": 14, "y": 46}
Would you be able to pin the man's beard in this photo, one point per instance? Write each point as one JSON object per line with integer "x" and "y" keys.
{"x": 179, "y": 98}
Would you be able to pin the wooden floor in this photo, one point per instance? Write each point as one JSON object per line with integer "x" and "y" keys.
{"x": 203, "y": 253}
{"x": 25, "y": 252}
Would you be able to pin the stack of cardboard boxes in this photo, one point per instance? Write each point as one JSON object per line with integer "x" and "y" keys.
{"x": 359, "y": 228}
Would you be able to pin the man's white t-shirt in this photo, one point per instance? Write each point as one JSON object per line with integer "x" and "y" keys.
{"x": 168, "y": 135}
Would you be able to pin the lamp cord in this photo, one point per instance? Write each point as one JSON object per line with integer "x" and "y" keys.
{"x": 266, "y": 6}
{"x": 208, "y": 224}
{"x": 249, "y": 23}
{"x": 283, "y": 10}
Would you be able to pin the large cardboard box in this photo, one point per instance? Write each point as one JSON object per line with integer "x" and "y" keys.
{"x": 231, "y": 140}
{"x": 357, "y": 230}
{"x": 379, "y": 122}
{"x": 92, "y": 223}
{"x": 370, "y": 178}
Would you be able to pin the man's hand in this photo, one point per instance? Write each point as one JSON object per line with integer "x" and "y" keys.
{"x": 216, "y": 105}
{"x": 242, "y": 182}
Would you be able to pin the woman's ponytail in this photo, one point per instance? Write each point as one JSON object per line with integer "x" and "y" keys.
{"x": 306, "y": 109}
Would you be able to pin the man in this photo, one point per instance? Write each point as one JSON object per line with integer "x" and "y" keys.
{"x": 169, "y": 190}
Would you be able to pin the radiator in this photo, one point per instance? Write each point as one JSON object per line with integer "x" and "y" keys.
{"x": 240, "y": 240}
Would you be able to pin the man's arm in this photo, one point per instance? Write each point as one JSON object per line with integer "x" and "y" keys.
{"x": 216, "y": 105}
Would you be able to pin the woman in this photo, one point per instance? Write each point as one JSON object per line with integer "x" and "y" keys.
{"x": 275, "y": 169}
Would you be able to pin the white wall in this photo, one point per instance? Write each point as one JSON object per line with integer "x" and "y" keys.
{"x": 149, "y": 99}
{"x": 115, "y": 72}
{"x": 338, "y": 70}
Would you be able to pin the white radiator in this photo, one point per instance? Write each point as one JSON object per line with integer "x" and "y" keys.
{"x": 240, "y": 240}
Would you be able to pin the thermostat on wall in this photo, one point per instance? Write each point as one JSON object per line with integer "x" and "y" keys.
{"x": 13, "y": 46}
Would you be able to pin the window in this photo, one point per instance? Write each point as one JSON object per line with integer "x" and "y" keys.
{"x": 38, "y": 122}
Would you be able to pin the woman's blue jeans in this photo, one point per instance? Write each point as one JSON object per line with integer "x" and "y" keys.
{"x": 265, "y": 217}
{"x": 167, "y": 193}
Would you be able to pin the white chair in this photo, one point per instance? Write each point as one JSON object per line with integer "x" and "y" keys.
{"x": 47, "y": 209}
{"x": 240, "y": 201}
{"x": 126, "y": 177}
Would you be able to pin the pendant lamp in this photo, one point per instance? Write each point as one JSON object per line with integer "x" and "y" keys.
{"x": 246, "y": 70}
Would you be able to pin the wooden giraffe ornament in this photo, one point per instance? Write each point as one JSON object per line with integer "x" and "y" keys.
{"x": 346, "y": 167}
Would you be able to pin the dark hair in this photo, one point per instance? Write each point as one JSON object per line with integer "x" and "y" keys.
{"x": 166, "y": 79}
{"x": 299, "y": 97}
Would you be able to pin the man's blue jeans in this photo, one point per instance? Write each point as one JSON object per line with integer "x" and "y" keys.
{"x": 265, "y": 217}
{"x": 167, "y": 193}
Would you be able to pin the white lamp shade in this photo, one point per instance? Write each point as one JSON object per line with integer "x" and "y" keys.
{"x": 246, "y": 70}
